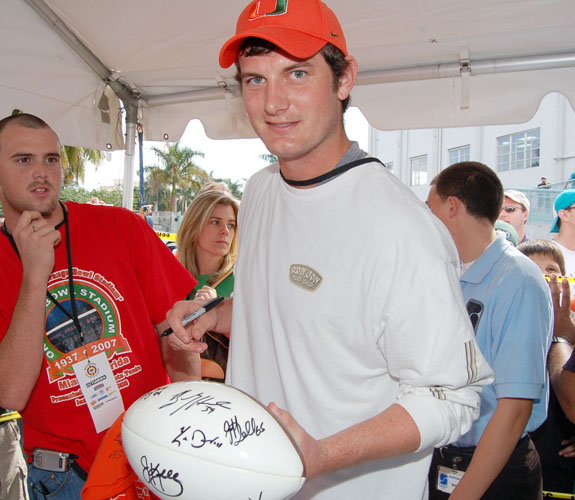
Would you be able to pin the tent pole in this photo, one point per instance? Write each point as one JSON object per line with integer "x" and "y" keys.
{"x": 131, "y": 128}
{"x": 97, "y": 66}
{"x": 141, "y": 161}
{"x": 402, "y": 74}
{"x": 479, "y": 67}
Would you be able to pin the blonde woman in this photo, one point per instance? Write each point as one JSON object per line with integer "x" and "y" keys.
{"x": 207, "y": 247}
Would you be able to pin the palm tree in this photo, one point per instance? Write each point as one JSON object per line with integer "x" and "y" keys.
{"x": 177, "y": 171}
{"x": 269, "y": 158}
{"x": 74, "y": 162}
{"x": 235, "y": 187}
{"x": 186, "y": 197}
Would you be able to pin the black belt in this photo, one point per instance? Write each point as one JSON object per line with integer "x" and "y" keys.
{"x": 459, "y": 457}
{"x": 81, "y": 472}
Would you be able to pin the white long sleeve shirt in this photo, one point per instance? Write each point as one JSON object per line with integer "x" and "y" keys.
{"x": 347, "y": 300}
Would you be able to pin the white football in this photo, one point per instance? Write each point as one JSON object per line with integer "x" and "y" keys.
{"x": 210, "y": 441}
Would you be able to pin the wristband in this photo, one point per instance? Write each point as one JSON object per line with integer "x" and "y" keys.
{"x": 560, "y": 340}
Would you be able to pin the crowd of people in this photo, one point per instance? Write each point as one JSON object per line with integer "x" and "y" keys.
{"x": 410, "y": 350}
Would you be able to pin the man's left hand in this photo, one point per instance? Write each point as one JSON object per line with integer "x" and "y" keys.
{"x": 310, "y": 448}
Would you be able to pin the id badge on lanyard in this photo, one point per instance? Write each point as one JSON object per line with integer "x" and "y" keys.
{"x": 94, "y": 374}
{"x": 100, "y": 390}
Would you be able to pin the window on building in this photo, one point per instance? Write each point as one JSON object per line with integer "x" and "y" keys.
{"x": 418, "y": 170}
{"x": 520, "y": 150}
{"x": 459, "y": 154}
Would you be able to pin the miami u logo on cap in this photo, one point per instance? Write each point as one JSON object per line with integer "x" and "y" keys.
{"x": 280, "y": 8}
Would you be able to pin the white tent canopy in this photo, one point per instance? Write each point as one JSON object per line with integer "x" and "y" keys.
{"x": 423, "y": 63}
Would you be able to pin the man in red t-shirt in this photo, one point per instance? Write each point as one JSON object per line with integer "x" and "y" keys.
{"x": 85, "y": 289}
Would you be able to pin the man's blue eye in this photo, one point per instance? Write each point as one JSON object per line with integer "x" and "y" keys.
{"x": 256, "y": 79}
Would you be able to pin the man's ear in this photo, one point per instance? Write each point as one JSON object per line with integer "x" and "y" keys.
{"x": 347, "y": 80}
{"x": 454, "y": 206}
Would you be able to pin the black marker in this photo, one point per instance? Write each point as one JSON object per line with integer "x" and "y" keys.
{"x": 195, "y": 315}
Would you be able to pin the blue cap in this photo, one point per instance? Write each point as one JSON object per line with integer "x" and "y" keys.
{"x": 563, "y": 201}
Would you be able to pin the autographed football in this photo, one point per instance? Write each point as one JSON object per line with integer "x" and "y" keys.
{"x": 206, "y": 440}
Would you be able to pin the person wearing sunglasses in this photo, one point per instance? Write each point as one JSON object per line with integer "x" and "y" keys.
{"x": 515, "y": 211}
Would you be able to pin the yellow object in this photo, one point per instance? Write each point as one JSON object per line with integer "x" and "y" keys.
{"x": 167, "y": 236}
{"x": 570, "y": 279}
{"x": 13, "y": 415}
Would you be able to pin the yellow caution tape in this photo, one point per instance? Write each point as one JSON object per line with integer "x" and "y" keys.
{"x": 564, "y": 496}
{"x": 570, "y": 279}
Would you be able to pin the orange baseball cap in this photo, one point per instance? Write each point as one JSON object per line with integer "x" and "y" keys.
{"x": 299, "y": 27}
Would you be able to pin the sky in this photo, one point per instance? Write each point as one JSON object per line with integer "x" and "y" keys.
{"x": 235, "y": 159}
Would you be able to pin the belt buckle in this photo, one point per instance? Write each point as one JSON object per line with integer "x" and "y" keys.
{"x": 455, "y": 461}
{"x": 451, "y": 459}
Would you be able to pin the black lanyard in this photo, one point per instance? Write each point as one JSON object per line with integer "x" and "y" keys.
{"x": 331, "y": 173}
{"x": 74, "y": 316}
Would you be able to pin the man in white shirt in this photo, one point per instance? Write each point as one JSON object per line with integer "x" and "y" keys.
{"x": 347, "y": 310}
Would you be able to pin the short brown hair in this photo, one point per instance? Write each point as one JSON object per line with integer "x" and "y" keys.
{"x": 544, "y": 247}
{"x": 24, "y": 120}
{"x": 475, "y": 184}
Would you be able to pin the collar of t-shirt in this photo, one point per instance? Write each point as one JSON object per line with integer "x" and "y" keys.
{"x": 466, "y": 265}
{"x": 353, "y": 153}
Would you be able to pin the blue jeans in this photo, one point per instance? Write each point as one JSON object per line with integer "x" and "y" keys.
{"x": 43, "y": 484}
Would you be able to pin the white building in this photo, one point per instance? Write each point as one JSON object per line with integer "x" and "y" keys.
{"x": 520, "y": 154}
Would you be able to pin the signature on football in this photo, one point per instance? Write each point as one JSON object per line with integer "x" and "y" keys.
{"x": 237, "y": 432}
{"x": 166, "y": 481}
{"x": 189, "y": 399}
